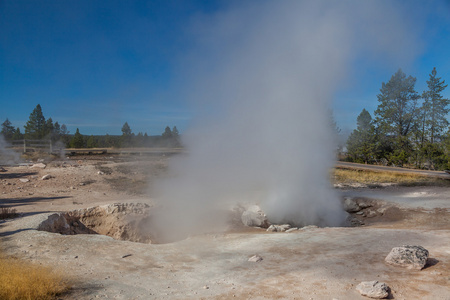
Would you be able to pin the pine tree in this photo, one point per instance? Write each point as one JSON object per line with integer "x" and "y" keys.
{"x": 17, "y": 135}
{"x": 48, "y": 128}
{"x": 35, "y": 127}
{"x": 77, "y": 140}
{"x": 7, "y": 130}
{"x": 397, "y": 114}
{"x": 167, "y": 134}
{"x": 361, "y": 142}
{"x": 91, "y": 142}
{"x": 126, "y": 130}
{"x": 434, "y": 109}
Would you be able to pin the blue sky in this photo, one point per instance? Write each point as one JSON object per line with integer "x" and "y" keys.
{"x": 98, "y": 64}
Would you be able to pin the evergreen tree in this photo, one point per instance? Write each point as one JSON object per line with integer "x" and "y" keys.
{"x": 7, "y": 130}
{"x": 56, "y": 134}
{"x": 127, "y": 135}
{"x": 17, "y": 135}
{"x": 434, "y": 109}
{"x": 126, "y": 130}
{"x": 77, "y": 140}
{"x": 175, "y": 132}
{"x": 91, "y": 142}
{"x": 397, "y": 113}
{"x": 361, "y": 142}
{"x": 64, "y": 134}
{"x": 48, "y": 128}
{"x": 167, "y": 134}
{"x": 35, "y": 127}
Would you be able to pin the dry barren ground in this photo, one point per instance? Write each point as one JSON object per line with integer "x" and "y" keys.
{"x": 315, "y": 263}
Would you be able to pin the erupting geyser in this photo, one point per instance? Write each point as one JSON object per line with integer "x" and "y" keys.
{"x": 264, "y": 79}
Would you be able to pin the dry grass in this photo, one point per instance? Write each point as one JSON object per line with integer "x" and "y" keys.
{"x": 24, "y": 280}
{"x": 372, "y": 178}
{"x": 7, "y": 212}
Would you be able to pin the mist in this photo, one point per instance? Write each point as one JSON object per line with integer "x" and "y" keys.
{"x": 262, "y": 79}
{"x": 7, "y": 155}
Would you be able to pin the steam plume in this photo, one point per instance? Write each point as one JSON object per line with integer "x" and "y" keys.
{"x": 265, "y": 75}
{"x": 7, "y": 155}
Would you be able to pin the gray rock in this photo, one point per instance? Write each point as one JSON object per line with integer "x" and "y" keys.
{"x": 255, "y": 258}
{"x": 292, "y": 229}
{"x": 350, "y": 205}
{"x": 24, "y": 180}
{"x": 2, "y": 169}
{"x": 255, "y": 217}
{"x": 410, "y": 257}
{"x": 39, "y": 165}
{"x": 279, "y": 228}
{"x": 373, "y": 289}
{"x": 272, "y": 228}
{"x": 55, "y": 223}
{"x": 309, "y": 227}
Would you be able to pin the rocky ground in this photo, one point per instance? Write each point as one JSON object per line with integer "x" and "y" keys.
{"x": 310, "y": 263}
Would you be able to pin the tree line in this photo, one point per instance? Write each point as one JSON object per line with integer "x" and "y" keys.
{"x": 40, "y": 128}
{"x": 408, "y": 128}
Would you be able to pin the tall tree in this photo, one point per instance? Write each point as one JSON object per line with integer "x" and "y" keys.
{"x": 48, "y": 128}
{"x": 7, "y": 130}
{"x": 56, "y": 134}
{"x": 126, "y": 129}
{"x": 398, "y": 105}
{"x": 397, "y": 113}
{"x": 167, "y": 133}
{"x": 127, "y": 135}
{"x": 434, "y": 109}
{"x": 17, "y": 135}
{"x": 361, "y": 142}
{"x": 35, "y": 127}
{"x": 77, "y": 140}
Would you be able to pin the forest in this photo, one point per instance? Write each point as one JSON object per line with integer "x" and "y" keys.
{"x": 407, "y": 128}
{"x": 40, "y": 128}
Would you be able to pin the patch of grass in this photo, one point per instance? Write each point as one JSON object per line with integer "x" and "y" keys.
{"x": 346, "y": 176}
{"x": 23, "y": 280}
{"x": 7, "y": 213}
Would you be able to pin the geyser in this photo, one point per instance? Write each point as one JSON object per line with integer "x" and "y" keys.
{"x": 264, "y": 75}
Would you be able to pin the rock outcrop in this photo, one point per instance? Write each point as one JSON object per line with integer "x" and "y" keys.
{"x": 255, "y": 217}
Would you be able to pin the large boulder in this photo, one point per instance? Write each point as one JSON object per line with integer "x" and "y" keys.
{"x": 373, "y": 289}
{"x": 351, "y": 206}
{"x": 411, "y": 257}
{"x": 255, "y": 217}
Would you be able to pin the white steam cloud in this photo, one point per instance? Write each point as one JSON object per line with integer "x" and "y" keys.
{"x": 7, "y": 155}
{"x": 264, "y": 77}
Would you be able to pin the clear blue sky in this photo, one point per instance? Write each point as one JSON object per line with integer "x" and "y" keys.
{"x": 98, "y": 64}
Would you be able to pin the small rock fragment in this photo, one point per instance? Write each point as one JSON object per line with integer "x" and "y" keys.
{"x": 126, "y": 255}
{"x": 292, "y": 229}
{"x": 46, "y": 177}
{"x": 24, "y": 180}
{"x": 255, "y": 258}
{"x": 309, "y": 227}
{"x": 373, "y": 289}
{"x": 100, "y": 173}
{"x": 206, "y": 287}
{"x": 2, "y": 169}
{"x": 39, "y": 165}
{"x": 278, "y": 228}
{"x": 411, "y": 257}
